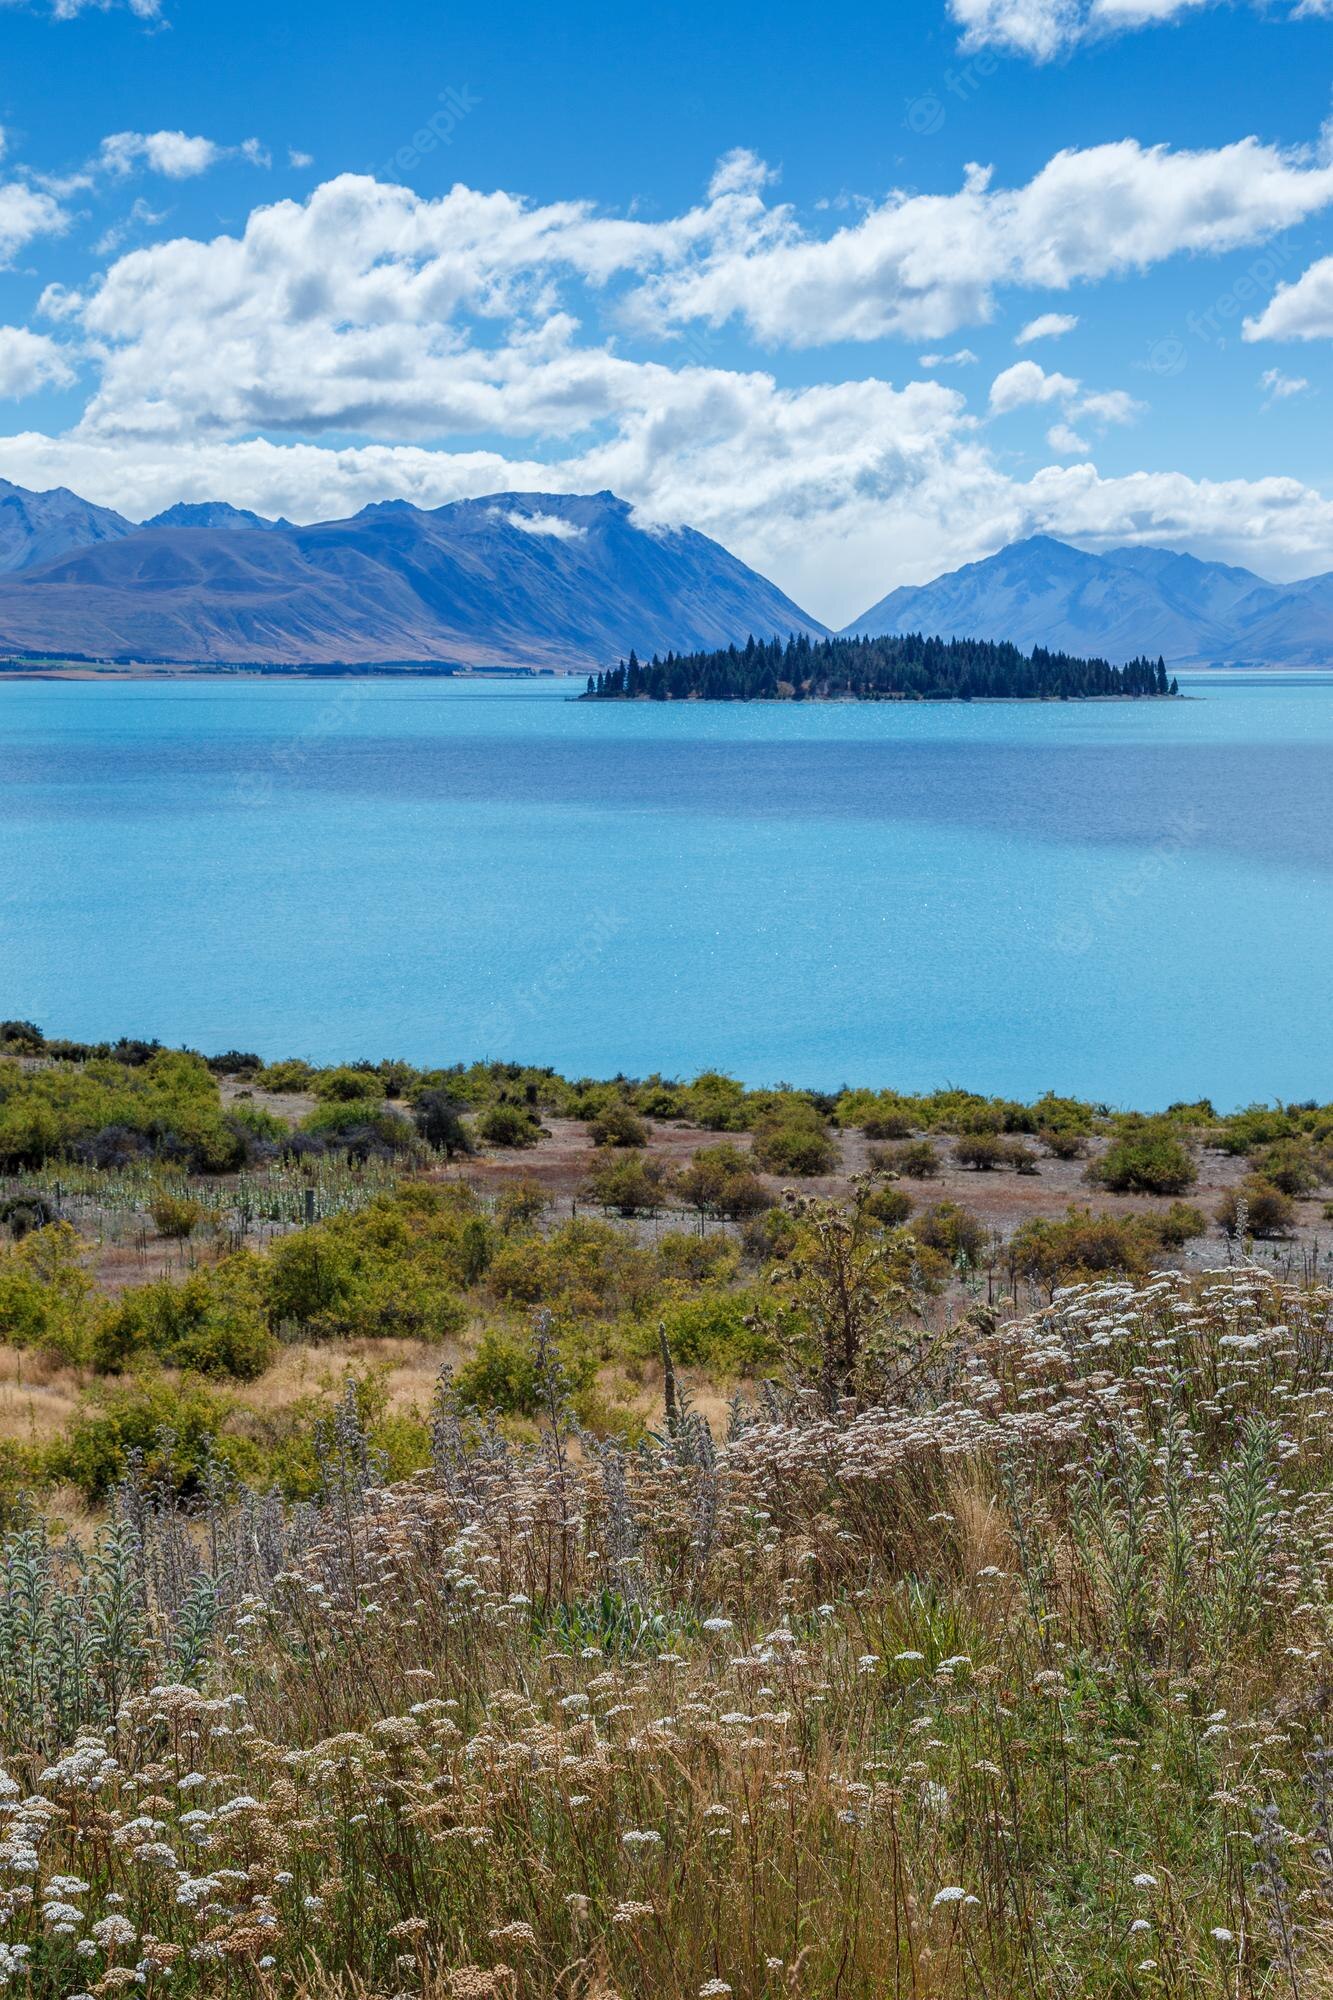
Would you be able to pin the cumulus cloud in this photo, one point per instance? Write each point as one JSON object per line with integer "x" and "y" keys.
{"x": 962, "y": 357}
{"x": 176, "y": 155}
{"x": 1046, "y": 326}
{"x": 1302, "y": 310}
{"x": 923, "y": 265}
{"x": 1026, "y": 382}
{"x": 367, "y": 312}
{"x": 30, "y": 361}
{"x": 1043, "y": 29}
{"x": 25, "y": 214}
{"x": 1065, "y": 441}
{"x": 353, "y": 309}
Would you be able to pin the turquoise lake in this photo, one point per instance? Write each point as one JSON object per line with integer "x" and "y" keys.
{"x": 1133, "y": 902}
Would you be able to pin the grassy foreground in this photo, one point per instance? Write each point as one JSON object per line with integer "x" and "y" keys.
{"x": 993, "y": 1663}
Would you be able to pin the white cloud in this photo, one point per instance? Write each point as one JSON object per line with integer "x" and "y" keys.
{"x": 176, "y": 155}
{"x": 1280, "y": 388}
{"x": 1046, "y": 326}
{"x": 1043, "y": 29}
{"x": 366, "y": 311}
{"x": 1109, "y": 406}
{"x": 352, "y": 309}
{"x": 1299, "y": 311}
{"x": 141, "y": 216}
{"x": 69, "y": 10}
{"x": 30, "y": 361}
{"x": 1014, "y": 388}
{"x": 924, "y": 265}
{"x": 553, "y": 525}
{"x": 298, "y": 159}
{"x": 25, "y": 214}
{"x": 962, "y": 357}
{"x": 1026, "y": 384}
{"x": 1065, "y": 441}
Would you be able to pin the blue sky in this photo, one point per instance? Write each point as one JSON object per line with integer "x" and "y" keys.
{"x": 303, "y": 260}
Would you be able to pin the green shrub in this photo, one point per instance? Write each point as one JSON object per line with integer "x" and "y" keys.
{"x": 585, "y": 1269}
{"x": 1293, "y": 1165}
{"x": 710, "y": 1331}
{"x": 716, "y": 1102}
{"x": 510, "y": 1125}
{"x": 953, "y": 1231}
{"x": 212, "y": 1323}
{"x": 345, "y": 1085}
{"x": 795, "y": 1142}
{"x": 176, "y": 1429}
{"x": 1151, "y": 1160}
{"x": 1269, "y": 1212}
{"x": 439, "y": 1121}
{"x": 1251, "y": 1130}
{"x": 721, "y": 1181}
{"x": 285, "y": 1079}
{"x": 175, "y": 1216}
{"x": 626, "y": 1182}
{"x": 617, "y": 1125}
{"x": 696, "y": 1257}
{"x": 1063, "y": 1145}
{"x": 1180, "y": 1225}
{"x": 521, "y": 1204}
{"x": 45, "y": 1294}
{"x": 918, "y": 1160}
{"x": 982, "y": 1151}
{"x": 501, "y": 1374}
{"x": 889, "y": 1205}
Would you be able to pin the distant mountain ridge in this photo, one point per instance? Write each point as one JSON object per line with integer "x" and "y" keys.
{"x": 1043, "y": 592}
{"x": 35, "y": 527}
{"x": 571, "y": 581}
{"x": 511, "y": 580}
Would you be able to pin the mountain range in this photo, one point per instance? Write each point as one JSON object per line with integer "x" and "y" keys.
{"x": 570, "y": 581}
{"x": 1127, "y": 602}
{"x": 513, "y": 580}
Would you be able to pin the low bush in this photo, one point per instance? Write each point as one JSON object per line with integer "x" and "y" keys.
{"x": 1268, "y": 1212}
{"x": 626, "y": 1183}
{"x": 509, "y": 1125}
{"x": 721, "y": 1181}
{"x": 889, "y": 1205}
{"x": 1151, "y": 1160}
{"x": 718, "y": 1330}
{"x": 174, "y": 1430}
{"x": 175, "y": 1216}
{"x": 1294, "y": 1165}
{"x": 795, "y": 1142}
{"x": 918, "y": 1160}
{"x": 212, "y": 1323}
{"x": 617, "y": 1124}
{"x": 46, "y": 1296}
{"x": 953, "y": 1231}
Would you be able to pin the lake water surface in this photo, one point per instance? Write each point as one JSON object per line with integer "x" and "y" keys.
{"x": 1127, "y": 901}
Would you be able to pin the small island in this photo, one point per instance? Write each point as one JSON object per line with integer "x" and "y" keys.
{"x": 907, "y": 667}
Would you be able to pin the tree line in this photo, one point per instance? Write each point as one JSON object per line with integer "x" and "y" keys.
{"x": 906, "y": 667}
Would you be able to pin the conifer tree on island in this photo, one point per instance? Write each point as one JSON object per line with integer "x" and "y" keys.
{"x": 909, "y": 667}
